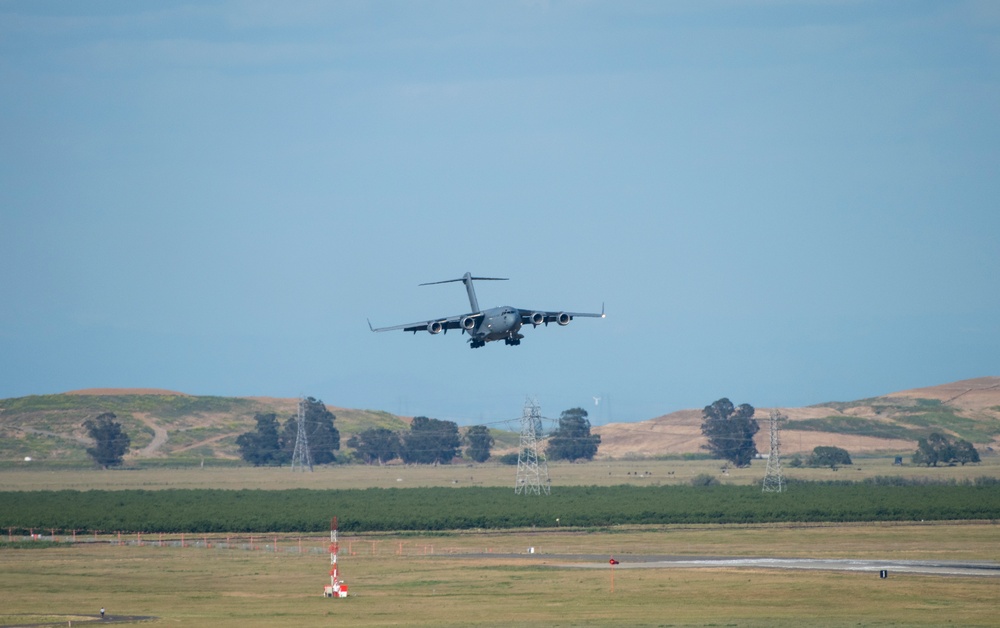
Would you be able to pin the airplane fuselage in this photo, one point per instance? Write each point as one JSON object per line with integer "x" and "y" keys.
{"x": 498, "y": 323}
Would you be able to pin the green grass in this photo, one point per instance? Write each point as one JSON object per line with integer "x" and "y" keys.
{"x": 972, "y": 430}
{"x": 858, "y": 427}
{"x": 911, "y": 419}
{"x": 164, "y": 406}
{"x": 229, "y": 474}
{"x": 187, "y": 419}
{"x": 427, "y": 585}
{"x": 841, "y": 406}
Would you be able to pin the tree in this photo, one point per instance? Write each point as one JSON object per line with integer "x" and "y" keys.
{"x": 572, "y": 440}
{"x": 480, "y": 441}
{"x": 934, "y": 449}
{"x": 376, "y": 444}
{"x": 829, "y": 457}
{"x": 111, "y": 443}
{"x": 323, "y": 437}
{"x": 730, "y": 431}
{"x": 262, "y": 446}
{"x": 431, "y": 441}
{"x": 938, "y": 447}
{"x": 965, "y": 452}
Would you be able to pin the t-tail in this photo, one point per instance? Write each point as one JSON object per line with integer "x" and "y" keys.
{"x": 467, "y": 279}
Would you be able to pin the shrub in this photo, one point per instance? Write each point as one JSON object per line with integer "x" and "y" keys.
{"x": 704, "y": 479}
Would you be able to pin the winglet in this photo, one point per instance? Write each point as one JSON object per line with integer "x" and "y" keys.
{"x": 602, "y": 312}
{"x": 370, "y": 324}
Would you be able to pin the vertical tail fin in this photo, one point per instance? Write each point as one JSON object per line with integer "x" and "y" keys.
{"x": 467, "y": 279}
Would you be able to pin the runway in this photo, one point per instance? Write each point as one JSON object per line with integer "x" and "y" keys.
{"x": 925, "y": 567}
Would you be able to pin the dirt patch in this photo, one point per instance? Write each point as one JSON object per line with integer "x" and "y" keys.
{"x": 160, "y": 436}
{"x": 680, "y": 433}
{"x": 201, "y": 443}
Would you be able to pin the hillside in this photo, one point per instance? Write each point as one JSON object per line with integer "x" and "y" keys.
{"x": 968, "y": 409}
{"x": 162, "y": 424}
{"x": 173, "y": 426}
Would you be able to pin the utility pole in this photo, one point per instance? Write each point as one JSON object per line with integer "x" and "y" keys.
{"x": 530, "y": 467}
{"x": 302, "y": 456}
{"x": 774, "y": 482}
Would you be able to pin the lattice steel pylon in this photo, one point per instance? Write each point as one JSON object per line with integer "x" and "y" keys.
{"x": 532, "y": 470}
{"x": 774, "y": 481}
{"x": 302, "y": 456}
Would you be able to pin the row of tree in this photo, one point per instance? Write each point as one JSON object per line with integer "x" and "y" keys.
{"x": 272, "y": 444}
{"x": 432, "y": 441}
{"x": 428, "y": 441}
{"x": 729, "y": 429}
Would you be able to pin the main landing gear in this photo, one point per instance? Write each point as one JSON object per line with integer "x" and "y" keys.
{"x": 511, "y": 341}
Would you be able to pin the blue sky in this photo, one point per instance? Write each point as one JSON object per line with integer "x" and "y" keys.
{"x": 783, "y": 203}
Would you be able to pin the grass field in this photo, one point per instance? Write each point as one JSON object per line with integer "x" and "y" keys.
{"x": 639, "y": 472}
{"x": 419, "y": 580}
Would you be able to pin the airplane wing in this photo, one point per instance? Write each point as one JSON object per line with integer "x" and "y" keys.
{"x": 435, "y": 325}
{"x": 542, "y": 317}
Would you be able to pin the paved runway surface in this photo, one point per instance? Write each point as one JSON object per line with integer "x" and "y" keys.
{"x": 931, "y": 567}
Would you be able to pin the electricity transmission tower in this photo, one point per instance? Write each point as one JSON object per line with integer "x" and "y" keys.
{"x": 774, "y": 482}
{"x": 301, "y": 456}
{"x": 532, "y": 471}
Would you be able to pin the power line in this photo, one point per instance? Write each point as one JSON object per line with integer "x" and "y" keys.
{"x": 302, "y": 456}
{"x": 531, "y": 468}
{"x": 774, "y": 481}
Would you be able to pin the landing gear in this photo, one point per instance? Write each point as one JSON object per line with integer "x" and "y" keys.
{"x": 513, "y": 341}
{"x": 476, "y": 343}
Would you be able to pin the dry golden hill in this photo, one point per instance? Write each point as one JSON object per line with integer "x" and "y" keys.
{"x": 174, "y": 426}
{"x": 968, "y": 409}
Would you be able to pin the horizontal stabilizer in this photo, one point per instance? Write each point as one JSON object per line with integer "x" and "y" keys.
{"x": 432, "y": 283}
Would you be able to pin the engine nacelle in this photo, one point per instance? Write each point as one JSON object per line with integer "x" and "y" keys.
{"x": 563, "y": 318}
{"x": 434, "y": 327}
{"x": 537, "y": 318}
{"x": 468, "y": 323}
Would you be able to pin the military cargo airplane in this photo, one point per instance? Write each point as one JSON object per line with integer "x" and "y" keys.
{"x": 496, "y": 323}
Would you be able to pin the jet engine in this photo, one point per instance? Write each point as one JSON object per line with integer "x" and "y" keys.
{"x": 537, "y": 318}
{"x": 563, "y": 318}
{"x": 468, "y": 323}
{"x": 434, "y": 327}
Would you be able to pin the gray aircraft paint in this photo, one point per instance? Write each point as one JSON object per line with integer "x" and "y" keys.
{"x": 497, "y": 323}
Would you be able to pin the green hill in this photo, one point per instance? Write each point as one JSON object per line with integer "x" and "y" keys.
{"x": 163, "y": 425}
